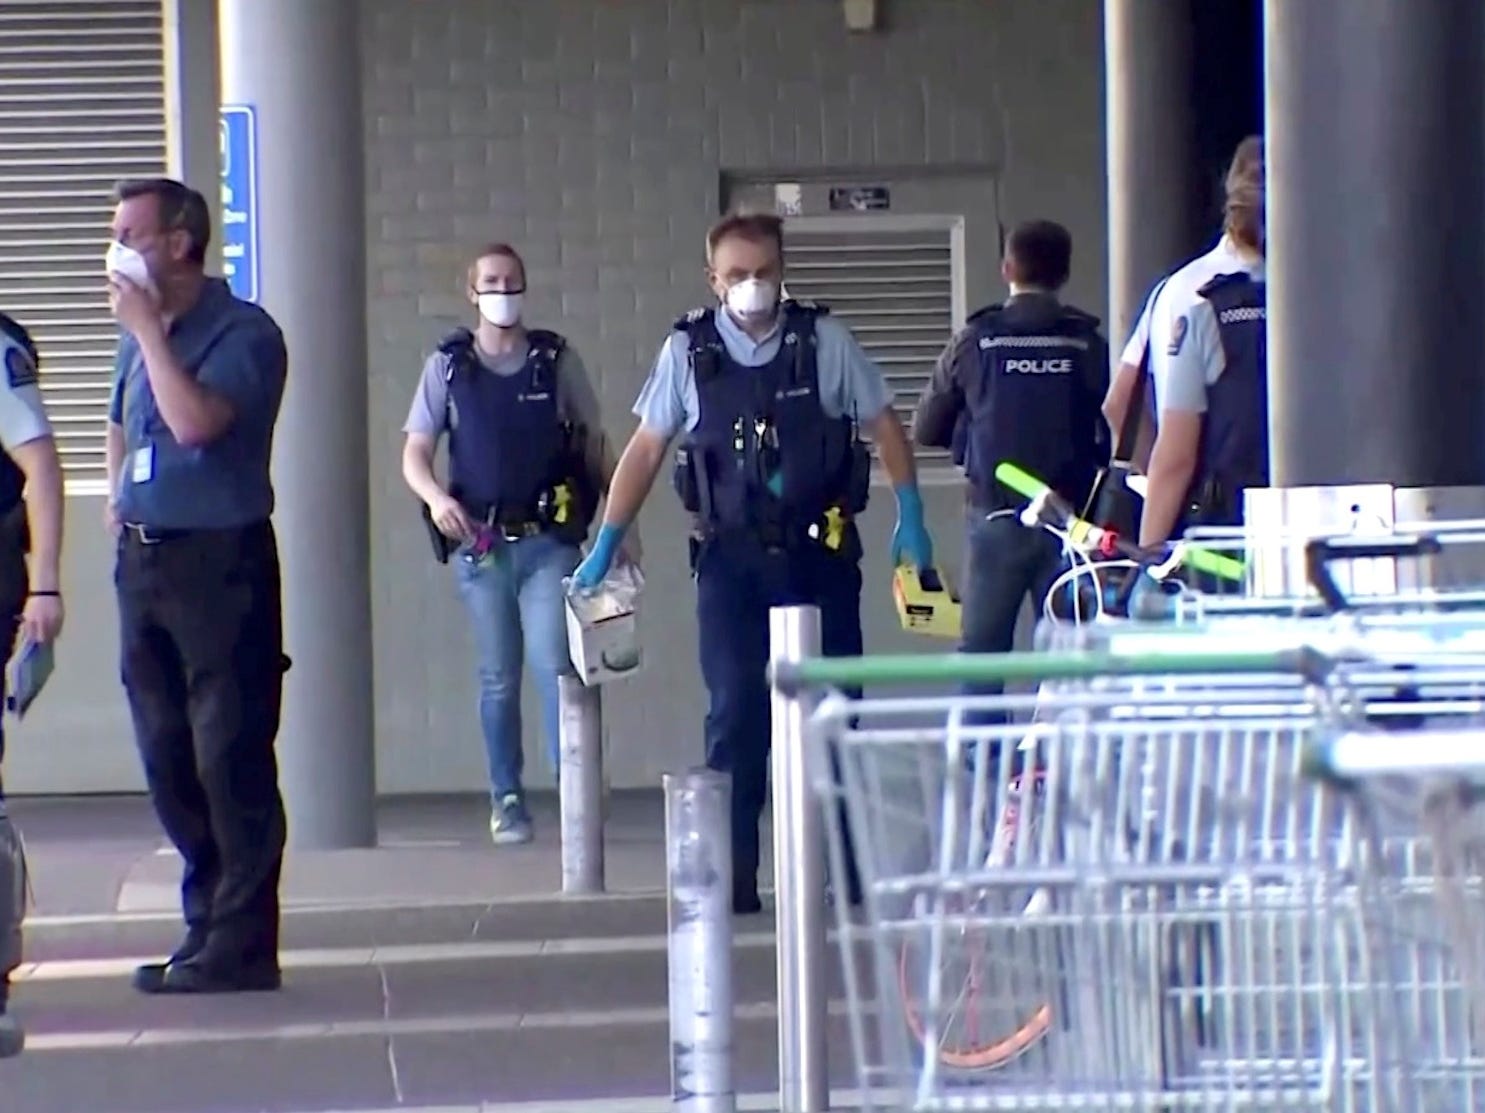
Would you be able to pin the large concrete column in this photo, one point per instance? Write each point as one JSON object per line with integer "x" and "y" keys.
{"x": 1375, "y": 267}
{"x": 192, "y": 95}
{"x": 297, "y": 64}
{"x": 1152, "y": 159}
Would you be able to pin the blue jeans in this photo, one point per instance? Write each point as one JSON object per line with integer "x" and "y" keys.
{"x": 516, "y": 607}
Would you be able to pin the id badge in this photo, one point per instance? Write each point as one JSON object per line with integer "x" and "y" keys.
{"x": 143, "y": 469}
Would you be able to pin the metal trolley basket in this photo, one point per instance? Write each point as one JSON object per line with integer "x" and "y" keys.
{"x": 1123, "y": 890}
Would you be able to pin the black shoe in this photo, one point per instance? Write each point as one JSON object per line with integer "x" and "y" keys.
{"x": 148, "y": 978}
{"x": 195, "y": 976}
{"x": 746, "y": 902}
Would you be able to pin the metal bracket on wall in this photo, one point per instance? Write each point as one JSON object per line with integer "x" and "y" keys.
{"x": 861, "y": 15}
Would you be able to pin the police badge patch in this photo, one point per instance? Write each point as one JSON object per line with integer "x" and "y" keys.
{"x": 1177, "y": 336}
{"x": 20, "y": 369}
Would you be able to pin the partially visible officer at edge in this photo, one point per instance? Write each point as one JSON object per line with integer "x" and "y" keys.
{"x": 30, "y": 599}
{"x": 1202, "y": 336}
{"x": 769, "y": 394}
{"x": 1021, "y": 382}
{"x": 527, "y": 460}
{"x": 199, "y": 380}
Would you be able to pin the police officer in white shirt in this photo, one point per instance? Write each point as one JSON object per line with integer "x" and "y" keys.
{"x": 30, "y": 598}
{"x": 1177, "y": 343}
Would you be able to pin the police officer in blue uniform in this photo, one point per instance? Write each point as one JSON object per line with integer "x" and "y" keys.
{"x": 1021, "y": 382}
{"x": 773, "y": 473}
{"x": 30, "y": 600}
{"x": 527, "y": 461}
{"x": 1211, "y": 386}
{"x": 198, "y": 383}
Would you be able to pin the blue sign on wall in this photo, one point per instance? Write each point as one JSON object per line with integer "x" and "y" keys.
{"x": 239, "y": 142}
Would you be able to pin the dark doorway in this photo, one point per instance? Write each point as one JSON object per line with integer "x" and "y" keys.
{"x": 1227, "y": 83}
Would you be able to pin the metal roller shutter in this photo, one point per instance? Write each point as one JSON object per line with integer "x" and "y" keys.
{"x": 82, "y": 105}
{"x": 896, "y": 290}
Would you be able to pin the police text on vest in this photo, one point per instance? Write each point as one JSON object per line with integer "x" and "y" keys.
{"x": 1038, "y": 366}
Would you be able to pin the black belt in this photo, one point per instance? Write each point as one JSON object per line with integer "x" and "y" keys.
{"x": 149, "y": 535}
{"x": 152, "y": 535}
{"x": 511, "y": 527}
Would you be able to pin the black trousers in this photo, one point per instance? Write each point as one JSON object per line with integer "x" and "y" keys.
{"x": 737, "y": 581}
{"x": 1005, "y": 563}
{"x": 13, "y": 590}
{"x": 14, "y": 587}
{"x": 202, "y": 626}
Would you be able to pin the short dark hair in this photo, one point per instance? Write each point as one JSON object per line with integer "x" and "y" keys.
{"x": 1040, "y": 254}
{"x": 181, "y": 208}
{"x": 496, "y": 248}
{"x": 749, "y": 225}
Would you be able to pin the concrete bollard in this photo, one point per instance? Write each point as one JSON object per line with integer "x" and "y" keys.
{"x": 580, "y": 786}
{"x": 698, "y": 870}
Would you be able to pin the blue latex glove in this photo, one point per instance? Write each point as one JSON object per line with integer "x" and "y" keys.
{"x": 590, "y": 573}
{"x": 910, "y": 540}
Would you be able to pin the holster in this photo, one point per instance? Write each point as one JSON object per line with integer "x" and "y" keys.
{"x": 442, "y": 546}
{"x": 1214, "y": 503}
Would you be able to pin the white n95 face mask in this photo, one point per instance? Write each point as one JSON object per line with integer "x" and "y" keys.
{"x": 752, "y": 297}
{"x": 125, "y": 261}
{"x": 501, "y": 310}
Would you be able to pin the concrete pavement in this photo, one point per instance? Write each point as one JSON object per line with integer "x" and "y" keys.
{"x": 429, "y": 973}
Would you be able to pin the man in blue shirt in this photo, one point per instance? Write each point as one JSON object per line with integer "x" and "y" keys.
{"x": 198, "y": 384}
{"x": 769, "y": 393}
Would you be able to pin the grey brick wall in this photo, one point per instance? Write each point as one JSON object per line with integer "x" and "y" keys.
{"x": 593, "y": 134}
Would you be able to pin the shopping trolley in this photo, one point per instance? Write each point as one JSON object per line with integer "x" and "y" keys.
{"x": 1418, "y": 800}
{"x": 1118, "y": 891}
{"x": 1069, "y": 935}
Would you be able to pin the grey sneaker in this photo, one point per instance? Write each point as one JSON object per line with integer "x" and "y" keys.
{"x": 12, "y": 1036}
{"x": 510, "y": 823}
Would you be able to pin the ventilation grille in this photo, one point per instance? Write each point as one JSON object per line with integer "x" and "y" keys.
{"x": 82, "y": 105}
{"x": 893, "y": 289}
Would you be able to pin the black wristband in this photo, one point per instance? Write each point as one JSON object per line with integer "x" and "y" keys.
{"x": 46, "y": 595}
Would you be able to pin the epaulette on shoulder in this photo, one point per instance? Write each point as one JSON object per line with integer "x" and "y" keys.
{"x": 1080, "y": 316}
{"x": 553, "y": 342}
{"x": 813, "y": 308}
{"x": 692, "y": 318}
{"x": 460, "y": 340}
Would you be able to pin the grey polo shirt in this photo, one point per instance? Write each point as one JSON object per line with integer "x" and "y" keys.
{"x": 234, "y": 349}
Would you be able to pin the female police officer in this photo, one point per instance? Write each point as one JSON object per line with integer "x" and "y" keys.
{"x": 30, "y": 601}
{"x": 526, "y": 460}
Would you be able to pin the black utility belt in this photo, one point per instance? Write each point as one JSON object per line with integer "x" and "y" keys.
{"x": 516, "y": 531}
{"x": 512, "y": 526}
{"x": 143, "y": 534}
{"x": 833, "y": 531}
{"x": 557, "y": 507}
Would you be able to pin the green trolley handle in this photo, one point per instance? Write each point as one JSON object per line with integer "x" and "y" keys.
{"x": 792, "y": 677}
{"x": 1029, "y": 486}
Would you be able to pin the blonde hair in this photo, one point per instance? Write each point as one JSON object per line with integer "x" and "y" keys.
{"x": 1243, "y": 211}
{"x": 497, "y": 248}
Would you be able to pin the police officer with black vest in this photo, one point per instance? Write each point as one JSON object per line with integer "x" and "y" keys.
{"x": 30, "y": 600}
{"x": 1022, "y": 382}
{"x": 769, "y": 393}
{"x": 1211, "y": 386}
{"x": 527, "y": 463}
